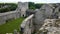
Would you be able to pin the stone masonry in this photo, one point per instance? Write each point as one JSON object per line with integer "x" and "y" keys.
{"x": 27, "y": 26}
{"x": 8, "y": 15}
{"x": 22, "y": 7}
{"x": 51, "y": 26}
{"x": 49, "y": 12}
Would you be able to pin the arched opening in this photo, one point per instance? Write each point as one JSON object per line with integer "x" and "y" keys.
{"x": 23, "y": 15}
{"x": 59, "y": 9}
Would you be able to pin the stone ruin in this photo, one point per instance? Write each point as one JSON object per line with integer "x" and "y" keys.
{"x": 35, "y": 20}
{"x": 4, "y": 17}
{"x": 44, "y": 20}
{"x": 27, "y": 26}
{"x": 22, "y": 7}
{"x": 50, "y": 26}
{"x": 19, "y": 12}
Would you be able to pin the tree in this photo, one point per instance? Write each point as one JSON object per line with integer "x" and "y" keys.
{"x": 31, "y": 5}
{"x": 9, "y": 7}
{"x": 38, "y": 6}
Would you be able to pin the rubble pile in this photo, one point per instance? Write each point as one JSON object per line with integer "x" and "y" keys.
{"x": 50, "y": 26}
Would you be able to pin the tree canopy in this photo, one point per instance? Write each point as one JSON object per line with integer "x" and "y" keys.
{"x": 5, "y": 7}
{"x": 33, "y": 6}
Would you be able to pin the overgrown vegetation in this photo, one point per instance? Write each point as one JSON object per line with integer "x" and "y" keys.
{"x": 34, "y": 6}
{"x": 10, "y": 26}
{"x": 5, "y": 7}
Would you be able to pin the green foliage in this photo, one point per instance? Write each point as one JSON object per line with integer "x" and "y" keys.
{"x": 33, "y": 6}
{"x": 38, "y": 6}
{"x": 10, "y": 7}
{"x": 4, "y": 10}
{"x": 11, "y": 25}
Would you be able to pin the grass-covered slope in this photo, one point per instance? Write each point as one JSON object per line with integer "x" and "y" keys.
{"x": 10, "y": 26}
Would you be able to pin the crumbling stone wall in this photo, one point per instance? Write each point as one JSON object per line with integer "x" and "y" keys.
{"x": 51, "y": 26}
{"x": 8, "y": 15}
{"x": 27, "y": 25}
{"x": 47, "y": 9}
{"x": 39, "y": 18}
{"x": 41, "y": 14}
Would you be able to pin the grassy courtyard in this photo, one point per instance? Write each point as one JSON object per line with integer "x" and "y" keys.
{"x": 10, "y": 26}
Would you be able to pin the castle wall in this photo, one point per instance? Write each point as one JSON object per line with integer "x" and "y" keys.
{"x": 39, "y": 18}
{"x": 48, "y": 9}
{"x": 41, "y": 14}
{"x": 27, "y": 25}
{"x": 8, "y": 15}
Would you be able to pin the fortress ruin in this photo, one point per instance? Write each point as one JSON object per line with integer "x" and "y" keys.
{"x": 36, "y": 20}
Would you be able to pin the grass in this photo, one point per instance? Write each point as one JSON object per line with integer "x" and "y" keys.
{"x": 10, "y": 26}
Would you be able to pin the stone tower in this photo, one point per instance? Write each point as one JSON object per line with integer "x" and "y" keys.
{"x": 22, "y": 7}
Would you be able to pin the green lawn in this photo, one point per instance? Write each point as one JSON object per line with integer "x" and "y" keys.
{"x": 10, "y": 26}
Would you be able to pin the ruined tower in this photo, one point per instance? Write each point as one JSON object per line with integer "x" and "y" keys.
{"x": 22, "y": 7}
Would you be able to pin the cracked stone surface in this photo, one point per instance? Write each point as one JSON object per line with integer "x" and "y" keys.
{"x": 51, "y": 26}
